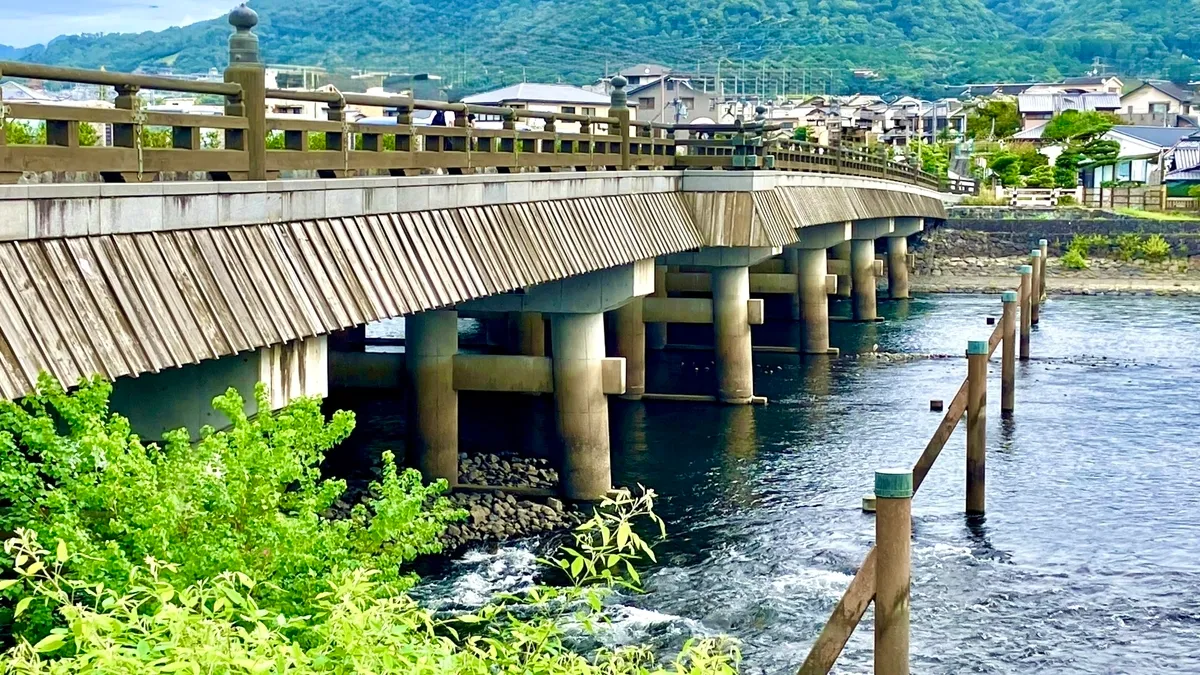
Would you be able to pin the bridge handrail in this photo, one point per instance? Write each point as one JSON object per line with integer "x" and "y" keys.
{"x": 250, "y": 143}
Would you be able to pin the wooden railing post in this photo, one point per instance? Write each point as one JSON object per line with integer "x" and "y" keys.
{"x": 893, "y": 569}
{"x": 619, "y": 109}
{"x": 977, "y": 367}
{"x": 246, "y": 69}
{"x": 1035, "y": 285}
{"x": 1044, "y": 246}
{"x": 1026, "y": 291}
{"x": 1008, "y": 362}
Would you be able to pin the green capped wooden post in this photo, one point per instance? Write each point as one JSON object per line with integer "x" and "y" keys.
{"x": 1026, "y": 291}
{"x": 893, "y": 569}
{"x": 618, "y": 108}
{"x": 1044, "y": 247}
{"x": 246, "y": 68}
{"x": 977, "y": 367}
{"x": 1035, "y": 262}
{"x": 1008, "y": 363}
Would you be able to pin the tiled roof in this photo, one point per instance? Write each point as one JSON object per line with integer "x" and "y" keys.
{"x": 541, "y": 93}
{"x": 1163, "y": 137}
{"x": 1058, "y": 102}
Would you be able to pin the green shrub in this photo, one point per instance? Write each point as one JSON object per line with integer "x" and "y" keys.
{"x": 1087, "y": 244}
{"x": 1128, "y": 246}
{"x": 1194, "y": 192}
{"x": 1041, "y": 177}
{"x": 1155, "y": 248}
{"x": 1067, "y": 200}
{"x": 248, "y": 499}
{"x": 1074, "y": 260}
{"x": 228, "y": 624}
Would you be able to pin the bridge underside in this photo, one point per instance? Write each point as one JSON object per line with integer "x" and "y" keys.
{"x": 126, "y": 304}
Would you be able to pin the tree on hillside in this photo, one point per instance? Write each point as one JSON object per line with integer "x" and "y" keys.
{"x": 994, "y": 119}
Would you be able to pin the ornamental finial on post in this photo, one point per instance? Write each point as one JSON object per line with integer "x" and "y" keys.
{"x": 618, "y": 99}
{"x": 243, "y": 44}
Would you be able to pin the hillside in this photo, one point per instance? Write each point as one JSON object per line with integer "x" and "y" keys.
{"x": 914, "y": 44}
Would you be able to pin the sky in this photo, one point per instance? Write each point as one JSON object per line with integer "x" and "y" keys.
{"x": 29, "y": 22}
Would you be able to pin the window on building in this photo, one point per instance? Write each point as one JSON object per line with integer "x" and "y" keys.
{"x": 589, "y": 111}
{"x": 646, "y": 103}
{"x": 568, "y": 110}
{"x": 670, "y": 85}
{"x": 690, "y": 103}
{"x": 1159, "y": 108}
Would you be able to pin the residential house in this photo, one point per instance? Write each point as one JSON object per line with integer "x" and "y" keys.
{"x": 555, "y": 98}
{"x": 644, "y": 73}
{"x": 1089, "y": 84}
{"x": 1181, "y": 165}
{"x": 1140, "y": 159}
{"x": 672, "y": 99}
{"x": 1036, "y": 109}
{"x": 1157, "y": 102}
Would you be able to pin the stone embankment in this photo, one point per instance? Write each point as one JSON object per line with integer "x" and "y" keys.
{"x": 499, "y": 515}
{"x": 951, "y": 260}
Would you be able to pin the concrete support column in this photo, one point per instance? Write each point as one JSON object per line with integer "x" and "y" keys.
{"x": 631, "y": 344}
{"x": 431, "y": 341}
{"x": 897, "y": 258}
{"x": 582, "y": 408}
{"x": 731, "y": 327}
{"x": 862, "y": 267}
{"x": 791, "y": 265}
{"x": 814, "y": 300}
{"x": 656, "y": 333}
{"x": 842, "y": 252}
{"x": 528, "y": 331}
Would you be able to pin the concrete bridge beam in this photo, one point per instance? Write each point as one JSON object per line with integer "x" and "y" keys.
{"x": 430, "y": 346}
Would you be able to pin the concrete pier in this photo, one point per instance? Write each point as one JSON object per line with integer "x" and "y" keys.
{"x": 814, "y": 300}
{"x": 631, "y": 344}
{"x": 842, "y": 252}
{"x": 431, "y": 343}
{"x": 581, "y": 406}
{"x": 897, "y": 256}
{"x": 656, "y": 333}
{"x": 791, "y": 266}
{"x": 731, "y": 329}
{"x": 862, "y": 266}
{"x": 527, "y": 331}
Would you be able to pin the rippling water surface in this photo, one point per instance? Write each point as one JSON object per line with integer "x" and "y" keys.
{"x": 1087, "y": 562}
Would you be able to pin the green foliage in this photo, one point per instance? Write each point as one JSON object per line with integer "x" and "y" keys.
{"x": 17, "y": 132}
{"x": 228, "y": 624}
{"x": 1129, "y": 244}
{"x": 156, "y": 137}
{"x": 1155, "y": 248}
{"x": 316, "y": 141}
{"x": 988, "y": 198}
{"x": 800, "y": 134}
{"x": 934, "y": 158}
{"x": 249, "y": 499}
{"x": 1087, "y": 244}
{"x": 1065, "y": 178}
{"x": 211, "y": 139}
{"x": 1074, "y": 260}
{"x": 1041, "y": 177}
{"x": 994, "y": 119}
{"x": 1075, "y": 124}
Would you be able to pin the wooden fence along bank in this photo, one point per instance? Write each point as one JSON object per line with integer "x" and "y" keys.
{"x": 884, "y": 576}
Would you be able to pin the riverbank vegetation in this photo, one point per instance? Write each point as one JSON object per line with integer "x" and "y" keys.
{"x": 218, "y": 556}
{"x": 1126, "y": 247}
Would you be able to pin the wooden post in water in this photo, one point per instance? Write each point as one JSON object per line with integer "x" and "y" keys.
{"x": 893, "y": 573}
{"x": 1026, "y": 291}
{"x": 1035, "y": 261}
{"x": 977, "y": 367}
{"x": 1008, "y": 363}
{"x": 1044, "y": 246}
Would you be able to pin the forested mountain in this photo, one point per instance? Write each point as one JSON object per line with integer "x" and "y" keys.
{"x": 912, "y": 44}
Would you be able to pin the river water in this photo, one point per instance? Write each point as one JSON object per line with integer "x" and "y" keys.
{"x": 1087, "y": 562}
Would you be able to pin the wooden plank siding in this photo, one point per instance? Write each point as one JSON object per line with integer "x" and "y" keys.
{"x": 127, "y": 304}
{"x": 818, "y": 205}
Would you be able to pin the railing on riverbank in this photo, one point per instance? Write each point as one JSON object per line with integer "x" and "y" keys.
{"x": 128, "y": 143}
{"x": 970, "y": 401}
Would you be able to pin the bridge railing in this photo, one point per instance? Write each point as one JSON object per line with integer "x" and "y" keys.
{"x": 122, "y": 142}
{"x": 240, "y": 140}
